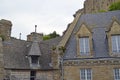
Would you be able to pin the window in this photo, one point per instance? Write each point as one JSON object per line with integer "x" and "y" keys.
{"x": 34, "y": 59}
{"x": 85, "y": 74}
{"x": 116, "y": 74}
{"x": 116, "y": 44}
{"x": 84, "y": 46}
{"x": 32, "y": 75}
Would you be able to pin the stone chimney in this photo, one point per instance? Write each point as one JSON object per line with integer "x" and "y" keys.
{"x": 35, "y": 37}
{"x": 2, "y": 72}
{"x": 5, "y": 29}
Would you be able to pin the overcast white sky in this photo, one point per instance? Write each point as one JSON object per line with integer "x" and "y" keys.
{"x": 48, "y": 15}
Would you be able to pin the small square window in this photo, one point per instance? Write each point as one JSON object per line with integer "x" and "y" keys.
{"x": 34, "y": 59}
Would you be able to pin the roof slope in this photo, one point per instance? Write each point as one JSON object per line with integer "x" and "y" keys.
{"x": 98, "y": 24}
{"x": 35, "y": 50}
{"x": 16, "y": 51}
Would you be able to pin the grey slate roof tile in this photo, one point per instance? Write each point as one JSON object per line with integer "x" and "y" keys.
{"x": 35, "y": 49}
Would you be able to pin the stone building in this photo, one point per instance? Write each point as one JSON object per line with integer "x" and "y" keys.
{"x": 27, "y": 60}
{"x": 94, "y": 6}
{"x": 88, "y": 50}
{"x": 92, "y": 47}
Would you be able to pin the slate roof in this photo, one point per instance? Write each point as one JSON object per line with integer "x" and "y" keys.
{"x": 98, "y": 23}
{"x": 35, "y": 50}
{"x": 16, "y": 53}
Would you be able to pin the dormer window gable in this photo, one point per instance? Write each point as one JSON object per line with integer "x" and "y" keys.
{"x": 114, "y": 38}
{"x": 34, "y": 55}
{"x": 84, "y": 42}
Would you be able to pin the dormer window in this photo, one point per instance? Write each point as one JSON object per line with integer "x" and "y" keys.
{"x": 34, "y": 55}
{"x": 84, "y": 46}
{"x": 84, "y": 42}
{"x": 116, "y": 44}
{"x": 114, "y": 38}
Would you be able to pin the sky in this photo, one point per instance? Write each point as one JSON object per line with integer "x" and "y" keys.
{"x": 48, "y": 15}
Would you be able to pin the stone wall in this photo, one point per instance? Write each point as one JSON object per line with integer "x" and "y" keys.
{"x": 40, "y": 75}
{"x": 101, "y": 70}
{"x": 1, "y": 61}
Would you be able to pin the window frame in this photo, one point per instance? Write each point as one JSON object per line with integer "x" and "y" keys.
{"x": 86, "y": 74}
{"x": 115, "y": 44}
{"x": 34, "y": 59}
{"x": 83, "y": 43}
{"x": 34, "y": 64}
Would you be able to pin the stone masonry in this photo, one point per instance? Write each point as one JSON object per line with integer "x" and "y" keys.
{"x": 1, "y": 61}
{"x": 94, "y": 6}
{"x": 5, "y": 29}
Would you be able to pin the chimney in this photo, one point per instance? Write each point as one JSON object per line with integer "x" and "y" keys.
{"x": 34, "y": 36}
{"x": 5, "y": 29}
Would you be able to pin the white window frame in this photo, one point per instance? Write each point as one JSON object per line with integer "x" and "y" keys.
{"x": 118, "y": 75}
{"x": 86, "y": 74}
{"x": 115, "y": 45}
{"x": 86, "y": 49}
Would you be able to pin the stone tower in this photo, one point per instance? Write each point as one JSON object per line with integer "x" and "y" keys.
{"x": 5, "y": 29}
{"x": 94, "y": 6}
{"x": 1, "y": 61}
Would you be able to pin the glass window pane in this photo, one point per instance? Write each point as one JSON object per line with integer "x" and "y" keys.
{"x": 116, "y": 44}
{"x": 114, "y": 48}
{"x": 81, "y": 45}
{"x": 87, "y": 45}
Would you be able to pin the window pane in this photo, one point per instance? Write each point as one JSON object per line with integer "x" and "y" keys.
{"x": 84, "y": 46}
{"x": 81, "y": 45}
{"x": 88, "y": 74}
{"x": 83, "y": 74}
{"x": 87, "y": 45}
{"x": 116, "y": 44}
{"x": 114, "y": 48}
